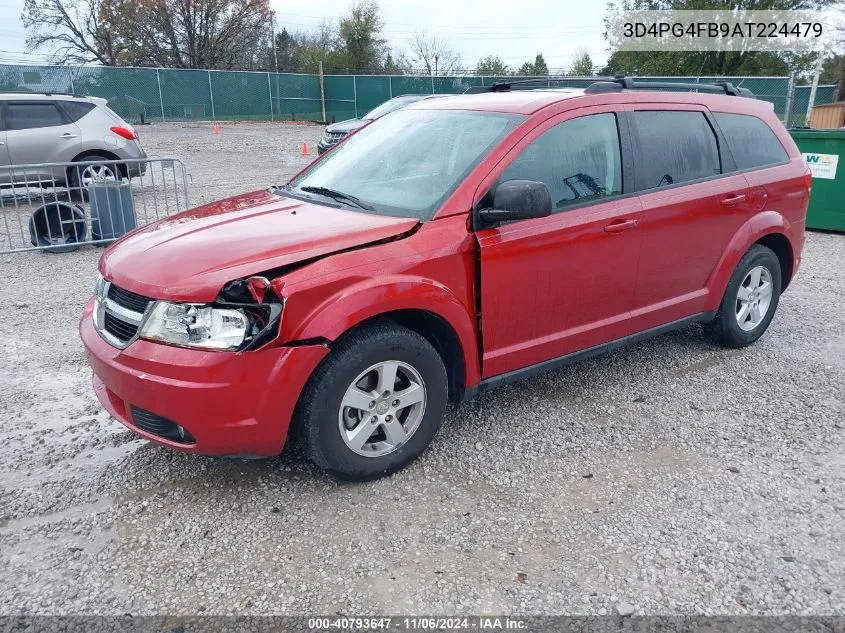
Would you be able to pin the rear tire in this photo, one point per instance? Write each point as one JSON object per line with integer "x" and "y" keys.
{"x": 750, "y": 300}
{"x": 374, "y": 404}
{"x": 78, "y": 177}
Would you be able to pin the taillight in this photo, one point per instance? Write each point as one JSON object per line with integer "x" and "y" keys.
{"x": 808, "y": 181}
{"x": 126, "y": 132}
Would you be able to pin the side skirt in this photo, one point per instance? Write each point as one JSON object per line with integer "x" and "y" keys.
{"x": 590, "y": 352}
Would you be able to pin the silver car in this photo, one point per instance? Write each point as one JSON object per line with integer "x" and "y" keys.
{"x": 38, "y": 128}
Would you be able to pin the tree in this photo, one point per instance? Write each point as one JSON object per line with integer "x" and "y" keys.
{"x": 80, "y": 31}
{"x": 833, "y": 72}
{"x": 360, "y": 33}
{"x": 353, "y": 45}
{"x": 286, "y": 59}
{"x": 696, "y": 63}
{"x": 201, "y": 33}
{"x": 323, "y": 46}
{"x": 168, "y": 33}
{"x": 492, "y": 65}
{"x": 434, "y": 54}
{"x": 582, "y": 64}
{"x": 398, "y": 65}
{"x": 538, "y": 67}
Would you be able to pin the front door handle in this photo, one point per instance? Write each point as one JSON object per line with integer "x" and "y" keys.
{"x": 733, "y": 200}
{"x": 618, "y": 226}
{"x": 68, "y": 135}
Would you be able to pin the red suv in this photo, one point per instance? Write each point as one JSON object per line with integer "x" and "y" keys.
{"x": 444, "y": 249}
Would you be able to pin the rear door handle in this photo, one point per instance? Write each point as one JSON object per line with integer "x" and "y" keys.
{"x": 733, "y": 200}
{"x": 618, "y": 226}
{"x": 68, "y": 135}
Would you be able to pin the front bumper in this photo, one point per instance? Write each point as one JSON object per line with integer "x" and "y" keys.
{"x": 231, "y": 403}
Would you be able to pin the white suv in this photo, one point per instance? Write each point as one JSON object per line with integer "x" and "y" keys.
{"x": 38, "y": 128}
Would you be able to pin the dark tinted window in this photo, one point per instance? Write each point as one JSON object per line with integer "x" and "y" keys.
{"x": 674, "y": 147}
{"x": 76, "y": 109}
{"x": 24, "y": 116}
{"x": 751, "y": 141}
{"x": 579, "y": 160}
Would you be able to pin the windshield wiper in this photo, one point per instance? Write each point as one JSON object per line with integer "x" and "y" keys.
{"x": 337, "y": 195}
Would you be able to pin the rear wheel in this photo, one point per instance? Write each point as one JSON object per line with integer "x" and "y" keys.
{"x": 80, "y": 177}
{"x": 374, "y": 404}
{"x": 750, "y": 300}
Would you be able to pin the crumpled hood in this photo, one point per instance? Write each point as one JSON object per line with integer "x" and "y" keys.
{"x": 190, "y": 256}
{"x": 350, "y": 125}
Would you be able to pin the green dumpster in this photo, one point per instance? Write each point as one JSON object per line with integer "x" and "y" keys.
{"x": 821, "y": 150}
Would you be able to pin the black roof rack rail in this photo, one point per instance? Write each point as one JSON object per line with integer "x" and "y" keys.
{"x": 617, "y": 84}
{"x": 505, "y": 86}
{"x": 46, "y": 93}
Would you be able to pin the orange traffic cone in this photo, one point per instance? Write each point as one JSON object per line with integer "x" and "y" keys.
{"x": 304, "y": 150}
{"x": 216, "y": 129}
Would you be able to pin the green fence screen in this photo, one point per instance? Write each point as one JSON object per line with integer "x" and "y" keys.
{"x": 168, "y": 94}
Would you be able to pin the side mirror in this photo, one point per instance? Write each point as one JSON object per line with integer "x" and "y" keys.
{"x": 517, "y": 200}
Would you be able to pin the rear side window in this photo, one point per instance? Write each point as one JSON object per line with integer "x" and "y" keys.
{"x": 579, "y": 160}
{"x": 752, "y": 142}
{"x": 76, "y": 109}
{"x": 26, "y": 116}
{"x": 674, "y": 147}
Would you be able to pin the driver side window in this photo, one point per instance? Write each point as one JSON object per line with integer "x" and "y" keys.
{"x": 579, "y": 160}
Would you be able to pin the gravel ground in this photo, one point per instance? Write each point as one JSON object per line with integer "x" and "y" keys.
{"x": 672, "y": 477}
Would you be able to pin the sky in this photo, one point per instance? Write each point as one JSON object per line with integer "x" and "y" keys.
{"x": 515, "y": 31}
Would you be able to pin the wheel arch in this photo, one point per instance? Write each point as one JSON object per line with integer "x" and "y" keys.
{"x": 769, "y": 229}
{"x": 437, "y": 331}
{"x": 781, "y": 246}
{"x": 423, "y": 306}
{"x": 90, "y": 153}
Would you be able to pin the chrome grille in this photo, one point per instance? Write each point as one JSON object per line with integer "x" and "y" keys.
{"x": 118, "y": 314}
{"x": 128, "y": 300}
{"x": 119, "y": 329}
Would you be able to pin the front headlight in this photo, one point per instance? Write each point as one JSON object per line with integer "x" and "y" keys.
{"x": 100, "y": 286}
{"x": 99, "y": 297}
{"x": 200, "y": 326}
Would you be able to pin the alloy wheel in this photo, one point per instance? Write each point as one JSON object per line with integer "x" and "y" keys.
{"x": 96, "y": 173}
{"x": 382, "y": 408}
{"x": 754, "y": 298}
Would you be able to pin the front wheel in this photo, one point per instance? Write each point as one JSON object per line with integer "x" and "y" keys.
{"x": 374, "y": 404}
{"x": 750, "y": 300}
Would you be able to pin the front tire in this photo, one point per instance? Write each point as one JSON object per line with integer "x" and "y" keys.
{"x": 374, "y": 404}
{"x": 750, "y": 300}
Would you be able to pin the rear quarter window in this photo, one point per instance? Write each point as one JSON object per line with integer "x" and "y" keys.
{"x": 75, "y": 110}
{"x": 751, "y": 141}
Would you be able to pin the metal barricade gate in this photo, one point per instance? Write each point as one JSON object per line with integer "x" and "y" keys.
{"x": 56, "y": 207}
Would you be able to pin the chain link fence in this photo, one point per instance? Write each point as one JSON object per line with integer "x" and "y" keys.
{"x": 167, "y": 94}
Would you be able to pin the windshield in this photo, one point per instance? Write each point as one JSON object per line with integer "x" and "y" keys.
{"x": 405, "y": 164}
{"x": 390, "y": 106}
